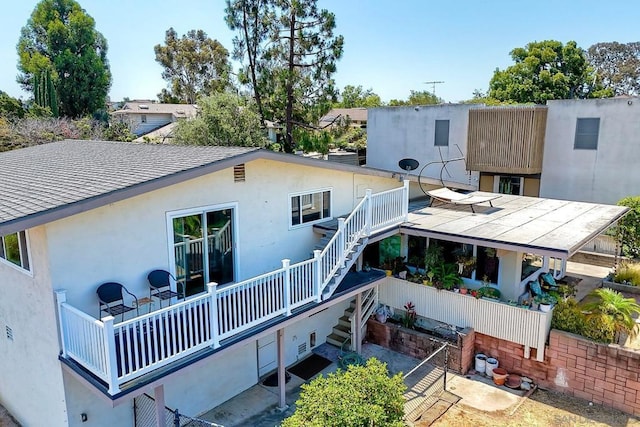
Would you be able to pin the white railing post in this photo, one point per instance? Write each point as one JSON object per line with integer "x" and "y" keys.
{"x": 213, "y": 314}
{"x": 368, "y": 212}
{"x": 61, "y": 297}
{"x": 341, "y": 242}
{"x": 318, "y": 276}
{"x": 287, "y": 286}
{"x": 405, "y": 200}
{"x": 112, "y": 361}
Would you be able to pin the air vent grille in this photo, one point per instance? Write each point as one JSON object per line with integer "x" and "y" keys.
{"x": 238, "y": 173}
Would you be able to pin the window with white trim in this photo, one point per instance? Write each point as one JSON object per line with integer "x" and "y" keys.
{"x": 587, "y": 130}
{"x": 308, "y": 208}
{"x": 13, "y": 248}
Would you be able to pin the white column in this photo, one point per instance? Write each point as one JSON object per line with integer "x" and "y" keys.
{"x": 405, "y": 200}
{"x": 61, "y": 297}
{"x": 158, "y": 394}
{"x": 282, "y": 401}
{"x": 287, "y": 286}
{"x": 341, "y": 242}
{"x": 357, "y": 318}
{"x": 112, "y": 364}
{"x": 318, "y": 276}
{"x": 369, "y": 212}
{"x": 213, "y": 314}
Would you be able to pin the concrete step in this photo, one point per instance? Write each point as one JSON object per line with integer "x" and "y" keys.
{"x": 344, "y": 321}
{"x": 342, "y": 331}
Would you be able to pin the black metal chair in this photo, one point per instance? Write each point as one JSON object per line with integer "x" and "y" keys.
{"x": 111, "y": 299}
{"x": 160, "y": 286}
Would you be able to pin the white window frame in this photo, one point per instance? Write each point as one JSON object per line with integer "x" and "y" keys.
{"x": 496, "y": 183}
{"x": 309, "y": 193}
{"x": 27, "y": 250}
{"x": 171, "y": 215}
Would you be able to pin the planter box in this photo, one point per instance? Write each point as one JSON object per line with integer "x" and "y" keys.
{"x": 627, "y": 289}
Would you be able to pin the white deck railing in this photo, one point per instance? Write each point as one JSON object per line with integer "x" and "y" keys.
{"x": 519, "y": 325}
{"x": 120, "y": 352}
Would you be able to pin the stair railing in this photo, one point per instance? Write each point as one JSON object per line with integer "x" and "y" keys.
{"x": 369, "y": 304}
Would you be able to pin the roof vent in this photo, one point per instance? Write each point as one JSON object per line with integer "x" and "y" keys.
{"x": 238, "y": 173}
{"x": 143, "y": 106}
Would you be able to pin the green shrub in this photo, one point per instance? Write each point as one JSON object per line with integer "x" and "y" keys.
{"x": 567, "y": 316}
{"x": 600, "y": 327}
{"x": 359, "y": 396}
{"x": 628, "y": 273}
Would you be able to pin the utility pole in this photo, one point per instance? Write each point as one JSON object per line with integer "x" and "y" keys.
{"x": 433, "y": 86}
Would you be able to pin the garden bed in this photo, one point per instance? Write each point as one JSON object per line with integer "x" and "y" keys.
{"x": 621, "y": 287}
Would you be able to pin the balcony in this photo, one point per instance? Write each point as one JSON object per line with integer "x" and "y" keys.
{"x": 497, "y": 319}
{"x": 507, "y": 140}
{"x": 117, "y": 353}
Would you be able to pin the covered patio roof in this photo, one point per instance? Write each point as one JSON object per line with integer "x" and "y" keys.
{"x": 557, "y": 228}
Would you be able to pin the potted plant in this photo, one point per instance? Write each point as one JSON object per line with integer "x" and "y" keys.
{"x": 447, "y": 274}
{"x": 463, "y": 289}
{"x": 545, "y": 302}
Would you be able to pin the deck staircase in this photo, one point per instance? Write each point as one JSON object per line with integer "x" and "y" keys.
{"x": 343, "y": 331}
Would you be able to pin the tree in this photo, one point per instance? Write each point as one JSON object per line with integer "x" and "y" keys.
{"x": 617, "y": 66}
{"x": 614, "y": 308}
{"x": 628, "y": 228}
{"x": 359, "y": 396}
{"x": 10, "y": 108}
{"x": 542, "y": 71}
{"x": 223, "y": 119}
{"x": 194, "y": 65}
{"x": 295, "y": 53}
{"x": 60, "y": 38}
{"x": 417, "y": 97}
{"x": 356, "y": 96}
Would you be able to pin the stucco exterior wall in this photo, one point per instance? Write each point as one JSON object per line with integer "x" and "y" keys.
{"x": 394, "y": 133}
{"x": 31, "y": 386}
{"x": 604, "y": 175}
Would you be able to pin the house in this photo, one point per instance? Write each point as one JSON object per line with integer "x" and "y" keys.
{"x": 146, "y": 116}
{"x": 263, "y": 243}
{"x": 355, "y": 117}
{"x": 575, "y": 149}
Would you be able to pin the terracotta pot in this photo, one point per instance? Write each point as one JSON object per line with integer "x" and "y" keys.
{"x": 463, "y": 291}
{"x": 499, "y": 376}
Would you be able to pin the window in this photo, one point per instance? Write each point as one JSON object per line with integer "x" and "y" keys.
{"x": 13, "y": 248}
{"x": 203, "y": 246}
{"x": 587, "y": 130}
{"x": 442, "y": 133}
{"x": 508, "y": 185}
{"x": 143, "y": 118}
{"x": 310, "y": 207}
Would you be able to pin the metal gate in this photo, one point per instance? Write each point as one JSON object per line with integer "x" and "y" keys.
{"x": 144, "y": 410}
{"x": 425, "y": 383}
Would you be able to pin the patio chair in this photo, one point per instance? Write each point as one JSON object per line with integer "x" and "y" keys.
{"x": 160, "y": 286}
{"x": 111, "y": 299}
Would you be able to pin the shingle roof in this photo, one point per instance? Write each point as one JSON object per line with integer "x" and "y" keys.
{"x": 178, "y": 110}
{"x": 355, "y": 114}
{"x": 60, "y": 175}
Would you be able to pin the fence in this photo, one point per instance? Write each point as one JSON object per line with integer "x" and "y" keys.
{"x": 144, "y": 412}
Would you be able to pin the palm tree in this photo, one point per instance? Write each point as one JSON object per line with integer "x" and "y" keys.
{"x": 612, "y": 304}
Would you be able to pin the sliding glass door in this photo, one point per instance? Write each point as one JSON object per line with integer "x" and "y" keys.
{"x": 203, "y": 247}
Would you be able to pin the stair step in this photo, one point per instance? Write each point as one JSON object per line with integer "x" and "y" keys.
{"x": 344, "y": 321}
{"x": 336, "y": 340}
{"x": 342, "y": 331}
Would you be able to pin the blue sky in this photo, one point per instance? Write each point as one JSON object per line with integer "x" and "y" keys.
{"x": 391, "y": 46}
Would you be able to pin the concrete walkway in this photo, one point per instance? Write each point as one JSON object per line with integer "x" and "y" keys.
{"x": 591, "y": 277}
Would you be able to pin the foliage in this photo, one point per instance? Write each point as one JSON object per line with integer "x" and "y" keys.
{"x": 542, "y": 71}
{"x": 433, "y": 256}
{"x": 313, "y": 141}
{"x": 628, "y": 273}
{"x": 410, "y": 315}
{"x": 600, "y": 327}
{"x": 612, "y": 305}
{"x": 617, "y": 66}
{"x": 292, "y": 51}
{"x": 447, "y": 275}
{"x": 417, "y": 97}
{"x": 193, "y": 65}
{"x": 223, "y": 119}
{"x": 10, "y": 108}
{"x": 567, "y": 316}
{"x": 628, "y": 228}
{"x": 44, "y": 93}
{"x": 356, "y": 96}
{"x": 359, "y": 396}
{"x": 60, "y": 38}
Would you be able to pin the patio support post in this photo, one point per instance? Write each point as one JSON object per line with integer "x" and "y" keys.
{"x": 158, "y": 395}
{"x": 61, "y": 298}
{"x": 213, "y": 314}
{"x": 341, "y": 242}
{"x": 369, "y": 212}
{"x": 282, "y": 398}
{"x": 357, "y": 317}
{"x": 318, "y": 276}
{"x": 287, "y": 286}
{"x": 405, "y": 200}
{"x": 112, "y": 364}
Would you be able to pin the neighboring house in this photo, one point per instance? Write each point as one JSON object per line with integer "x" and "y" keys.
{"x": 147, "y": 116}
{"x": 260, "y": 242}
{"x": 580, "y": 149}
{"x": 357, "y": 117}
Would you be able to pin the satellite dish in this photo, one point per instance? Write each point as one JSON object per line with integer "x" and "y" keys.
{"x": 408, "y": 164}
